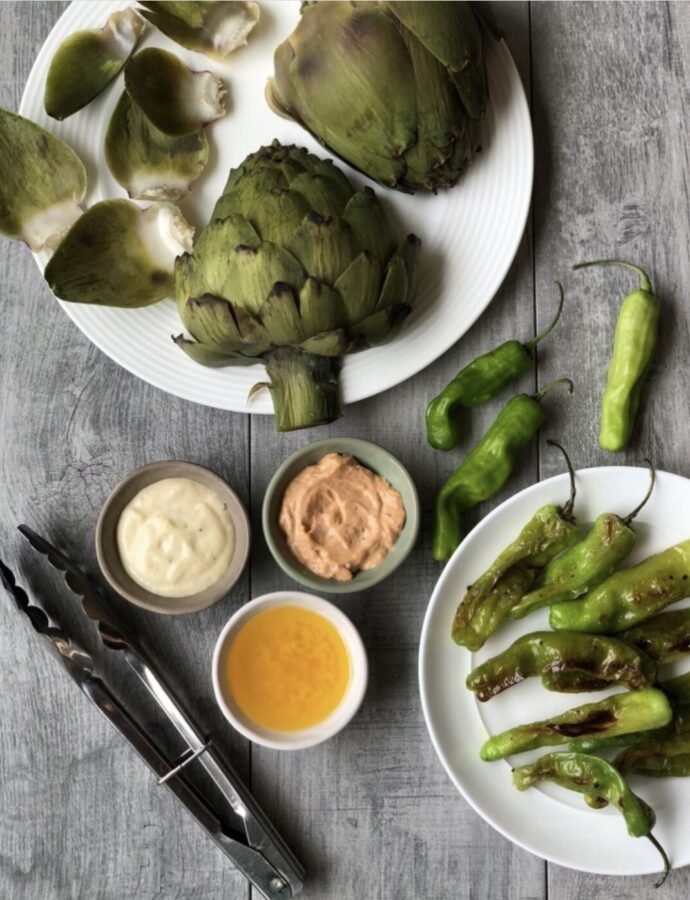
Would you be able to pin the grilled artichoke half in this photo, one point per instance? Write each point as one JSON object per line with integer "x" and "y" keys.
{"x": 295, "y": 269}
{"x": 397, "y": 89}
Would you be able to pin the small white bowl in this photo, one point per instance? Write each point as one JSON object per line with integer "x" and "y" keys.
{"x": 346, "y": 709}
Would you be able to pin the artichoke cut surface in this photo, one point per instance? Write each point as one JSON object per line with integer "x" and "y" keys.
{"x": 175, "y": 99}
{"x": 216, "y": 28}
{"x": 43, "y": 183}
{"x": 149, "y": 164}
{"x": 86, "y": 62}
{"x": 295, "y": 269}
{"x": 119, "y": 255}
{"x": 398, "y": 90}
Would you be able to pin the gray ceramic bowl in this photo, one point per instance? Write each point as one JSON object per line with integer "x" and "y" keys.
{"x": 106, "y": 541}
{"x": 373, "y": 457}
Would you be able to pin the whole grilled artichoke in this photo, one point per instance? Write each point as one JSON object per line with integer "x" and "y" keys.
{"x": 397, "y": 89}
{"x": 295, "y": 269}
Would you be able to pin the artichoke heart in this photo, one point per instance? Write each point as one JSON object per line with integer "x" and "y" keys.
{"x": 149, "y": 164}
{"x": 295, "y": 269}
{"x": 43, "y": 183}
{"x": 119, "y": 255}
{"x": 86, "y": 62}
{"x": 213, "y": 27}
{"x": 175, "y": 99}
{"x": 396, "y": 89}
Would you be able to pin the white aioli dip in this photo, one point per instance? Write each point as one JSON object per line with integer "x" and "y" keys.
{"x": 175, "y": 538}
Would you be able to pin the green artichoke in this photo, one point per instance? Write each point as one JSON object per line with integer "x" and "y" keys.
{"x": 294, "y": 270}
{"x": 397, "y": 89}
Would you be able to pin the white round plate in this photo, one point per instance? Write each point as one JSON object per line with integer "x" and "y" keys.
{"x": 547, "y": 820}
{"x": 470, "y": 234}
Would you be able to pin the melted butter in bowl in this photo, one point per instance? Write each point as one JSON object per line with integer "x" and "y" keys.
{"x": 176, "y": 537}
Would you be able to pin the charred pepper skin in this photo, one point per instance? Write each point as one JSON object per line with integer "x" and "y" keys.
{"x": 621, "y": 714}
{"x": 480, "y": 381}
{"x": 587, "y": 564}
{"x": 628, "y": 596}
{"x": 487, "y": 467}
{"x": 664, "y": 637}
{"x": 490, "y": 598}
{"x": 567, "y": 661}
{"x": 665, "y": 757}
{"x": 633, "y": 349}
{"x": 593, "y": 776}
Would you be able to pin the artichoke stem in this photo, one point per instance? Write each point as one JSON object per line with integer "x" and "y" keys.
{"x": 304, "y": 388}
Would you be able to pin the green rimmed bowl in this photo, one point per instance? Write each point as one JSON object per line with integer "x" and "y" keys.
{"x": 373, "y": 457}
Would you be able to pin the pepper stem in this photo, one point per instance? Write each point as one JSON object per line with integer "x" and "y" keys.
{"x": 645, "y": 283}
{"x": 542, "y": 334}
{"x": 567, "y": 510}
{"x": 652, "y": 472}
{"x": 539, "y": 396}
{"x": 667, "y": 864}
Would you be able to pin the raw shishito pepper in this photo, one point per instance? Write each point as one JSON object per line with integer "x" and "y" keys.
{"x": 582, "y": 567}
{"x": 490, "y": 598}
{"x": 480, "y": 380}
{"x": 487, "y": 466}
{"x": 620, "y": 714}
{"x": 630, "y": 595}
{"x": 591, "y": 775}
{"x": 664, "y": 637}
{"x": 633, "y": 348}
{"x": 566, "y": 662}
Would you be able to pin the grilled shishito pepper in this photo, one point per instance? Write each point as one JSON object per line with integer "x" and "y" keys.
{"x": 630, "y": 595}
{"x": 487, "y": 467}
{"x": 587, "y": 564}
{"x": 633, "y": 348}
{"x": 478, "y": 382}
{"x": 593, "y": 776}
{"x": 489, "y": 600}
{"x": 664, "y": 637}
{"x": 664, "y": 757}
{"x": 620, "y": 714}
{"x": 566, "y": 662}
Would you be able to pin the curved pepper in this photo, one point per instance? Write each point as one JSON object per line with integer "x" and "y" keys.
{"x": 566, "y": 662}
{"x": 479, "y": 381}
{"x": 633, "y": 348}
{"x": 628, "y": 596}
{"x": 594, "y": 776}
{"x": 666, "y": 757}
{"x": 487, "y": 467}
{"x": 587, "y": 564}
{"x": 664, "y": 637}
{"x": 679, "y": 724}
{"x": 620, "y": 714}
{"x": 490, "y": 598}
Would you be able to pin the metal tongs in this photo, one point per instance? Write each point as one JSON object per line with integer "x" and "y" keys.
{"x": 258, "y": 850}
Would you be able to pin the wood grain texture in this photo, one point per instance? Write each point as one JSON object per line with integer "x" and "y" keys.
{"x": 371, "y": 813}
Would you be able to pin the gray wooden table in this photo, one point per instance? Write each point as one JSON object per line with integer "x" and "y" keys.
{"x": 371, "y": 813}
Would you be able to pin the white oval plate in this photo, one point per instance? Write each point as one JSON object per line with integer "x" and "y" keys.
{"x": 547, "y": 820}
{"x": 470, "y": 233}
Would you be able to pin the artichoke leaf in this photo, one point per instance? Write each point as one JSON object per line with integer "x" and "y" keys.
{"x": 117, "y": 254}
{"x": 280, "y": 316}
{"x": 211, "y": 321}
{"x": 329, "y": 343}
{"x": 277, "y": 215}
{"x": 214, "y": 246}
{"x": 86, "y": 62}
{"x": 380, "y": 326}
{"x": 359, "y": 287}
{"x": 322, "y": 194}
{"x": 365, "y": 216}
{"x": 324, "y": 246}
{"x": 43, "y": 183}
{"x": 149, "y": 164}
{"x": 189, "y": 281}
{"x": 395, "y": 284}
{"x": 321, "y": 308}
{"x": 216, "y": 28}
{"x": 213, "y": 359}
{"x": 251, "y": 272}
{"x": 175, "y": 99}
